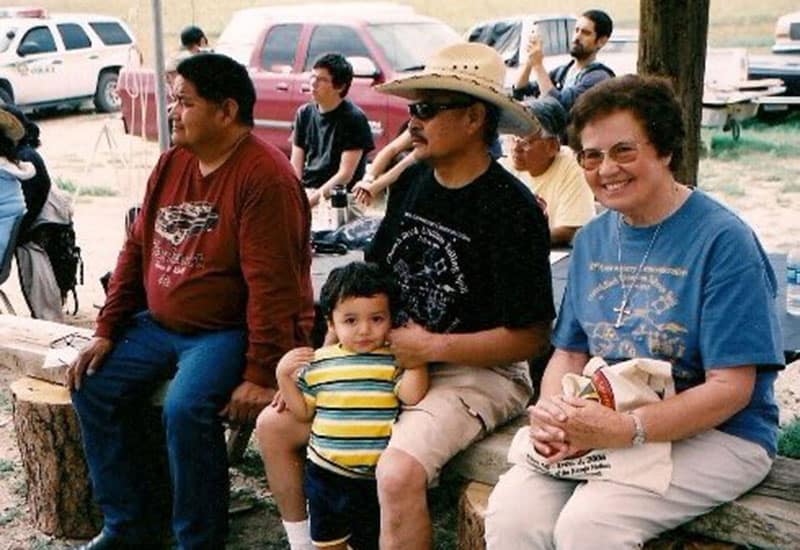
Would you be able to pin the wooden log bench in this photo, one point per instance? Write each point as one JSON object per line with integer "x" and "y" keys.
{"x": 48, "y": 437}
{"x": 766, "y": 517}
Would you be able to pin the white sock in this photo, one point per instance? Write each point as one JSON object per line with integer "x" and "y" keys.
{"x": 299, "y": 535}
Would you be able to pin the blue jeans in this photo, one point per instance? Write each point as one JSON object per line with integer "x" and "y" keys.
{"x": 207, "y": 367}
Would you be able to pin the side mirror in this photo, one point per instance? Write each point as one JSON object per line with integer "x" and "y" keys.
{"x": 28, "y": 48}
{"x": 363, "y": 67}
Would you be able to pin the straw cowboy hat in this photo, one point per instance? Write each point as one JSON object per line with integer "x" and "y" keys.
{"x": 10, "y": 126}
{"x": 469, "y": 68}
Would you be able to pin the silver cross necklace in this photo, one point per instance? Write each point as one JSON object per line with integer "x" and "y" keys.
{"x": 622, "y": 310}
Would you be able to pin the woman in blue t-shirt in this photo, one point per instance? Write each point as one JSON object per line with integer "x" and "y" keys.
{"x": 665, "y": 273}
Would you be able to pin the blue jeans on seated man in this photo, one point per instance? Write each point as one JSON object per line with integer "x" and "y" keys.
{"x": 207, "y": 367}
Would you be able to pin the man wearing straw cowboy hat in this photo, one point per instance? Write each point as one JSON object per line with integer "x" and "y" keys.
{"x": 468, "y": 246}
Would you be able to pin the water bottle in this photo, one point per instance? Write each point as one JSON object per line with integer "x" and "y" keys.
{"x": 793, "y": 281}
{"x": 339, "y": 204}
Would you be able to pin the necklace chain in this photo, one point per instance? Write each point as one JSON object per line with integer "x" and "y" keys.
{"x": 627, "y": 291}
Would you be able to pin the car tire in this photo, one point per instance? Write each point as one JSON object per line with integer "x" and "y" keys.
{"x": 5, "y": 97}
{"x": 106, "y": 99}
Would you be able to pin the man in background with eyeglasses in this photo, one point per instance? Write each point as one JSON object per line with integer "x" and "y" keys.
{"x": 567, "y": 82}
{"x": 469, "y": 247}
{"x": 331, "y": 136}
{"x": 552, "y": 172}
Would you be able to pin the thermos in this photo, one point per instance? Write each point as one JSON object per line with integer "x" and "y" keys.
{"x": 339, "y": 204}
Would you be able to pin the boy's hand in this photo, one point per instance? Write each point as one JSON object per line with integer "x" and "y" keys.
{"x": 293, "y": 361}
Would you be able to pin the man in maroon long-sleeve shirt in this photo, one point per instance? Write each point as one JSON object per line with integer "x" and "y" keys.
{"x": 211, "y": 288}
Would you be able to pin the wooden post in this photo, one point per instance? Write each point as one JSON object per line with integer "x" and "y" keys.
{"x": 59, "y": 489}
{"x": 672, "y": 43}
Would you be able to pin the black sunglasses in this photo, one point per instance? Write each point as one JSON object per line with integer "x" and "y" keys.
{"x": 426, "y": 110}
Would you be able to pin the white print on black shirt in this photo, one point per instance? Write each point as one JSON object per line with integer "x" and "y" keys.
{"x": 425, "y": 261}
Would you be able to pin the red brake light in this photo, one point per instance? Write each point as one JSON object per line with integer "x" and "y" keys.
{"x": 23, "y": 12}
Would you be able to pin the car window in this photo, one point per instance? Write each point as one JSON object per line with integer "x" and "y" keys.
{"x": 334, "y": 38}
{"x": 41, "y": 38}
{"x": 406, "y": 46}
{"x": 74, "y": 37}
{"x": 111, "y": 33}
{"x": 280, "y": 47}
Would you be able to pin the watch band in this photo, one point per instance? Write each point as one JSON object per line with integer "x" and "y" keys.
{"x": 639, "y": 435}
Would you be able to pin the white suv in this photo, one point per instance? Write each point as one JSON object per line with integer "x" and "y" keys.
{"x": 62, "y": 59}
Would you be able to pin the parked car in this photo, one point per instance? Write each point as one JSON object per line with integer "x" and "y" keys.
{"x": 787, "y": 34}
{"x": 61, "y": 59}
{"x": 279, "y": 46}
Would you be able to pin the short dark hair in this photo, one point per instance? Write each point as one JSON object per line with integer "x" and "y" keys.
{"x": 340, "y": 69}
{"x": 650, "y": 99}
{"x": 192, "y": 35}
{"x": 603, "y": 26}
{"x": 217, "y": 77}
{"x": 357, "y": 280}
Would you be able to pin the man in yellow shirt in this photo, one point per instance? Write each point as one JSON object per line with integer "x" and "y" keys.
{"x": 552, "y": 173}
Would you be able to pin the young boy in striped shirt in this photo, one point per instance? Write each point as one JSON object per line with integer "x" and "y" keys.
{"x": 351, "y": 392}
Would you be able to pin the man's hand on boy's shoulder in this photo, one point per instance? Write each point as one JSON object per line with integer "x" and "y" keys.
{"x": 412, "y": 345}
{"x": 293, "y": 361}
{"x": 247, "y": 400}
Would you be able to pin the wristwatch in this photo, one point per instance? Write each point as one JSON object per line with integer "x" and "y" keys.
{"x": 639, "y": 435}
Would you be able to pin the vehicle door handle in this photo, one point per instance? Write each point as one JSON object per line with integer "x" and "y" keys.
{"x": 283, "y": 87}
{"x": 94, "y": 56}
{"x": 56, "y": 62}
{"x": 305, "y": 89}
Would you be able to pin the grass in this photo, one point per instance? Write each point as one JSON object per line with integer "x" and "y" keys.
{"x": 5, "y": 400}
{"x": 10, "y": 514}
{"x": 6, "y": 467}
{"x": 443, "y": 503}
{"x": 85, "y": 190}
{"x": 789, "y": 440}
{"x": 765, "y": 150}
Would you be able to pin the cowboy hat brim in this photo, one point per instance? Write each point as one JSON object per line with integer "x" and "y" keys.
{"x": 11, "y": 126}
{"x": 514, "y": 117}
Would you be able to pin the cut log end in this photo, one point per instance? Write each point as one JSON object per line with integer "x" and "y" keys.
{"x": 34, "y": 391}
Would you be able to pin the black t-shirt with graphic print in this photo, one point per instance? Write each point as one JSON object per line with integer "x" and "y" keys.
{"x": 325, "y": 136}
{"x": 466, "y": 259}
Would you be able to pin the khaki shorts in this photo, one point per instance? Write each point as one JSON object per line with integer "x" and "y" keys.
{"x": 462, "y": 405}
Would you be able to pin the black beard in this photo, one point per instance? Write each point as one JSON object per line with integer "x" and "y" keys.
{"x": 578, "y": 52}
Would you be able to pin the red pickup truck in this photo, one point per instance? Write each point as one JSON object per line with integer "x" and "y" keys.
{"x": 279, "y": 46}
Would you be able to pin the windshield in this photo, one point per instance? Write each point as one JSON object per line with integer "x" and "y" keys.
{"x": 6, "y": 36}
{"x": 407, "y": 45}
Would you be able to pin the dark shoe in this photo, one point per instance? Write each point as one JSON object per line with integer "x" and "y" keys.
{"x": 104, "y": 541}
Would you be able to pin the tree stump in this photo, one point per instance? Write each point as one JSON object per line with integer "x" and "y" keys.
{"x": 471, "y": 513}
{"x": 49, "y": 440}
{"x": 59, "y": 489}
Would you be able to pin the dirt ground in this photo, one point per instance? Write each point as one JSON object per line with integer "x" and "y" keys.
{"x": 91, "y": 152}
